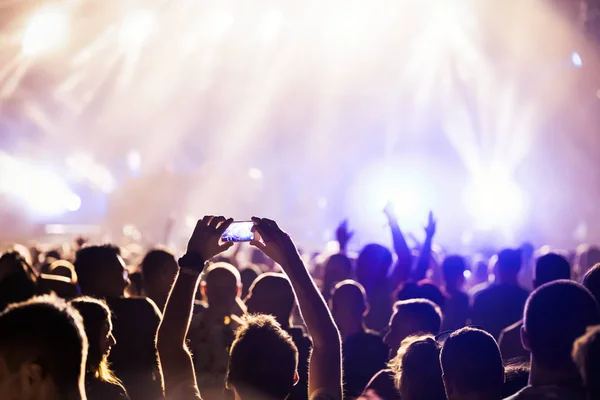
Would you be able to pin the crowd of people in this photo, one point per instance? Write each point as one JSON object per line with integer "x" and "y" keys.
{"x": 77, "y": 324}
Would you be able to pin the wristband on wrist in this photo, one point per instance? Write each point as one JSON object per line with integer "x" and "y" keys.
{"x": 193, "y": 262}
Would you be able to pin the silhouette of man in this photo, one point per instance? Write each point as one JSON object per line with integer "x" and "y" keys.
{"x": 456, "y": 310}
{"x": 548, "y": 268}
{"x": 272, "y": 294}
{"x": 472, "y": 366}
{"x": 501, "y": 304}
{"x": 556, "y": 314}
{"x": 159, "y": 269}
{"x": 364, "y": 351}
{"x": 43, "y": 350}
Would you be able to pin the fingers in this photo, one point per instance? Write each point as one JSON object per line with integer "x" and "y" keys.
{"x": 258, "y": 244}
{"x": 205, "y": 221}
{"x": 215, "y": 221}
{"x": 224, "y": 225}
{"x": 226, "y": 245}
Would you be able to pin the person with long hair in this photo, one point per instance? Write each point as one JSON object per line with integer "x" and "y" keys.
{"x": 100, "y": 381}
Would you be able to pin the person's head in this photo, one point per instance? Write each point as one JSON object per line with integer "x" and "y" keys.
{"x": 17, "y": 283}
{"x": 508, "y": 266}
{"x": 97, "y": 322}
{"x": 586, "y": 355}
{"x": 453, "y": 269}
{"x": 159, "y": 269}
{"x": 63, "y": 268}
{"x": 248, "y": 275}
{"x": 272, "y": 294}
{"x": 373, "y": 264}
{"x": 101, "y": 271}
{"x": 337, "y": 268}
{"x": 516, "y": 377}
{"x": 43, "y": 348}
{"x": 417, "y": 371}
{"x": 555, "y": 315}
{"x": 221, "y": 286}
{"x": 263, "y": 360}
{"x": 551, "y": 267}
{"x": 591, "y": 281}
{"x": 349, "y": 303}
{"x": 429, "y": 290}
{"x": 472, "y": 365}
{"x": 412, "y": 317}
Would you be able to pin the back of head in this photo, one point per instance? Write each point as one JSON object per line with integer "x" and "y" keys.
{"x": 248, "y": 275}
{"x": 453, "y": 269}
{"x": 263, "y": 360}
{"x": 272, "y": 294}
{"x": 63, "y": 268}
{"x": 417, "y": 369}
{"x": 45, "y": 331}
{"x": 159, "y": 266}
{"x": 429, "y": 290}
{"x": 373, "y": 264}
{"x": 472, "y": 363}
{"x": 586, "y": 354}
{"x": 337, "y": 268}
{"x": 100, "y": 271}
{"x": 425, "y": 313}
{"x": 350, "y": 295}
{"x": 551, "y": 267}
{"x": 96, "y": 315}
{"x": 508, "y": 265}
{"x": 555, "y": 315}
{"x": 591, "y": 281}
{"x": 17, "y": 284}
{"x": 222, "y": 284}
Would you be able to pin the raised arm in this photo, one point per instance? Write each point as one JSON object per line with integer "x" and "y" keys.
{"x": 401, "y": 272}
{"x": 325, "y": 365}
{"x": 425, "y": 253}
{"x": 175, "y": 358}
{"x": 343, "y": 236}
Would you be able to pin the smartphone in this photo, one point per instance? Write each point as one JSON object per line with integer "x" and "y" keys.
{"x": 239, "y": 231}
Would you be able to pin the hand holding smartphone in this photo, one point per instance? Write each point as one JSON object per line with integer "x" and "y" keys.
{"x": 239, "y": 231}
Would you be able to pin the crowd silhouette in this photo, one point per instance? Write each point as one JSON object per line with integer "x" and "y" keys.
{"x": 410, "y": 324}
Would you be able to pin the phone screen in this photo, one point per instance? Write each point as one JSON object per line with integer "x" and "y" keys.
{"x": 239, "y": 231}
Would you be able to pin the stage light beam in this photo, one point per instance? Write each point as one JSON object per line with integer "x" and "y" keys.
{"x": 45, "y": 32}
{"x": 136, "y": 28}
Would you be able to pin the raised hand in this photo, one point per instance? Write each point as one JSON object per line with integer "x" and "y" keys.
{"x": 431, "y": 225}
{"x": 206, "y": 238}
{"x": 343, "y": 235}
{"x": 274, "y": 242}
{"x": 390, "y": 210}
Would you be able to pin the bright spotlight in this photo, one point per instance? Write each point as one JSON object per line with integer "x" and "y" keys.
{"x": 73, "y": 202}
{"x": 576, "y": 59}
{"x": 494, "y": 203}
{"x": 46, "y": 31}
{"x": 136, "y": 28}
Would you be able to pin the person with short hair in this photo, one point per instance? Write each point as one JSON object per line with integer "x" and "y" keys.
{"x": 555, "y": 315}
{"x": 102, "y": 274}
{"x": 159, "y": 268}
{"x": 43, "y": 348}
{"x": 411, "y": 317}
{"x": 212, "y": 329}
{"x": 456, "y": 310}
{"x": 586, "y": 355}
{"x": 364, "y": 351}
{"x": 417, "y": 371}
{"x": 272, "y": 294}
{"x": 501, "y": 304}
{"x": 472, "y": 366}
{"x": 272, "y": 377}
{"x": 548, "y": 268}
{"x": 100, "y": 382}
{"x": 591, "y": 281}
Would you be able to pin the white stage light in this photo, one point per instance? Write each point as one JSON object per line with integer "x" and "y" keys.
{"x": 45, "y": 32}
{"x": 576, "y": 59}
{"x": 494, "y": 202}
{"x": 136, "y": 28}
